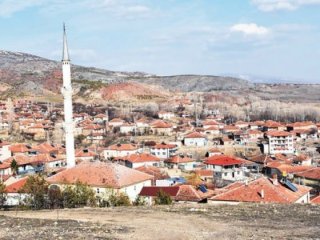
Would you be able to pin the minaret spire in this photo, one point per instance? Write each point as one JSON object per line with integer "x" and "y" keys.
{"x": 67, "y": 100}
{"x": 65, "y": 51}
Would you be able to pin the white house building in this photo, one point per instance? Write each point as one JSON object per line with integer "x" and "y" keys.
{"x": 164, "y": 150}
{"x": 121, "y": 150}
{"x": 195, "y": 139}
{"x": 104, "y": 178}
{"x": 279, "y": 142}
{"x": 226, "y": 168}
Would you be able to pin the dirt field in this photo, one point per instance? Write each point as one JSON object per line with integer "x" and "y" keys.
{"x": 244, "y": 221}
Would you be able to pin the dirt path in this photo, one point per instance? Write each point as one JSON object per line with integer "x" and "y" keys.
{"x": 178, "y": 222}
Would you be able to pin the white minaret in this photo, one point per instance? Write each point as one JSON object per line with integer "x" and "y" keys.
{"x": 67, "y": 95}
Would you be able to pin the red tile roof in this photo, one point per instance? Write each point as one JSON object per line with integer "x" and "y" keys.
{"x": 153, "y": 191}
{"x": 278, "y": 134}
{"x": 157, "y": 173}
{"x": 161, "y": 124}
{"x": 195, "y": 135}
{"x": 85, "y": 153}
{"x": 313, "y": 173}
{"x": 123, "y": 147}
{"x": 139, "y": 158}
{"x": 100, "y": 174}
{"x": 222, "y": 160}
{"x": 16, "y": 186}
{"x": 261, "y": 190}
{"x": 19, "y": 148}
{"x": 164, "y": 146}
{"x": 190, "y": 193}
{"x": 316, "y": 200}
{"x": 45, "y": 148}
{"x": 179, "y": 159}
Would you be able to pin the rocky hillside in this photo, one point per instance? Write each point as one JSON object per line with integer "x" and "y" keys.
{"x": 26, "y": 72}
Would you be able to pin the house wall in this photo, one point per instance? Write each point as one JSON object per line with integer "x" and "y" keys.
{"x": 281, "y": 145}
{"x": 115, "y": 153}
{"x": 14, "y": 199}
{"x": 5, "y": 153}
{"x": 199, "y": 142}
{"x": 304, "y": 199}
{"x": 140, "y": 164}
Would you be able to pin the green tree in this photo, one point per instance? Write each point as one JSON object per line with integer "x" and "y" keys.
{"x": 163, "y": 198}
{"x": 78, "y": 195}
{"x": 69, "y": 197}
{"x": 55, "y": 197}
{"x": 3, "y": 194}
{"x": 37, "y": 189}
{"x": 14, "y": 167}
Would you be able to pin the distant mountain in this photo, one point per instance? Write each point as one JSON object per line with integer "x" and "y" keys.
{"x": 27, "y": 72}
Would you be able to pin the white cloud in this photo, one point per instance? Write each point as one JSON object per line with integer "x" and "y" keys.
{"x": 9, "y": 7}
{"x": 250, "y": 29}
{"x": 289, "y": 5}
{"x": 119, "y": 8}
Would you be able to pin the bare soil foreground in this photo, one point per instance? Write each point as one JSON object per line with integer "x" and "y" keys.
{"x": 244, "y": 221}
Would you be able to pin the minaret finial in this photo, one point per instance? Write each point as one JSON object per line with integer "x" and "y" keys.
{"x": 65, "y": 51}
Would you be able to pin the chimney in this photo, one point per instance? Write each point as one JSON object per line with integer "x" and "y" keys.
{"x": 275, "y": 180}
{"x": 262, "y": 193}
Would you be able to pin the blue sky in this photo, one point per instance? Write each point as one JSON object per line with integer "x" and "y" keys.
{"x": 278, "y": 38}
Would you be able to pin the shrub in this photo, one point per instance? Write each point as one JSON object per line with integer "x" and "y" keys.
{"x": 55, "y": 198}
{"x": 78, "y": 196}
{"x": 163, "y": 198}
{"x": 120, "y": 199}
{"x": 3, "y": 194}
{"x": 139, "y": 201}
{"x": 37, "y": 188}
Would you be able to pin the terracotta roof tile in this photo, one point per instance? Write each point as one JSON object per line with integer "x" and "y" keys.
{"x": 100, "y": 174}
{"x": 252, "y": 192}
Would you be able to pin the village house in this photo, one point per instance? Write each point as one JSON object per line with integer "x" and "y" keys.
{"x": 212, "y": 123}
{"x": 226, "y": 168}
{"x": 254, "y": 135}
{"x": 163, "y": 150}
{"x": 128, "y": 128}
{"x": 229, "y": 129}
{"x": 213, "y": 152}
{"x": 13, "y": 195}
{"x": 279, "y": 142}
{"x": 161, "y": 128}
{"x": 181, "y": 193}
{"x": 138, "y": 159}
{"x": 104, "y": 178}
{"x": 5, "y": 151}
{"x": 195, "y": 139}
{"x": 85, "y": 155}
{"x": 100, "y": 118}
{"x": 121, "y": 150}
{"x": 165, "y": 115}
{"x": 116, "y": 122}
{"x": 242, "y": 124}
{"x": 182, "y": 162}
{"x": 273, "y": 126}
{"x": 301, "y": 126}
{"x": 309, "y": 177}
{"x": 263, "y": 190}
{"x": 19, "y": 149}
{"x": 212, "y": 130}
{"x": 156, "y": 172}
